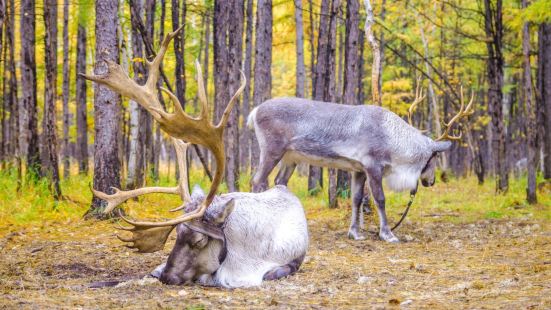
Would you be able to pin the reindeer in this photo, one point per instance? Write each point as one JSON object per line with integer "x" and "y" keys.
{"x": 231, "y": 240}
{"x": 370, "y": 141}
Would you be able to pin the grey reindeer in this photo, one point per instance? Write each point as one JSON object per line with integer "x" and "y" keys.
{"x": 370, "y": 141}
{"x": 230, "y": 240}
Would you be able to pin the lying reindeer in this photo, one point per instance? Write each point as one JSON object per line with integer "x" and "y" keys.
{"x": 372, "y": 142}
{"x": 231, "y": 240}
{"x": 244, "y": 238}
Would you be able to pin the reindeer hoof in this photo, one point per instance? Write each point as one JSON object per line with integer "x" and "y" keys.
{"x": 388, "y": 237}
{"x": 355, "y": 235}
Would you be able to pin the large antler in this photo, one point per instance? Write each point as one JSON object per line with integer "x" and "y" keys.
{"x": 178, "y": 124}
{"x": 463, "y": 112}
{"x": 182, "y": 189}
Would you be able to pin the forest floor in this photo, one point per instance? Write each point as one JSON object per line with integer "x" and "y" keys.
{"x": 462, "y": 247}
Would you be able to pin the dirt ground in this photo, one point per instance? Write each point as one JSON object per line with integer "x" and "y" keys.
{"x": 438, "y": 264}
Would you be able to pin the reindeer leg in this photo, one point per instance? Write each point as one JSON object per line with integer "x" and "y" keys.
{"x": 356, "y": 223}
{"x": 267, "y": 163}
{"x": 285, "y": 173}
{"x": 376, "y": 186}
{"x": 283, "y": 271}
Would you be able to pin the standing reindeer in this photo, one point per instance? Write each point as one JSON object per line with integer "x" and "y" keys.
{"x": 231, "y": 240}
{"x": 370, "y": 141}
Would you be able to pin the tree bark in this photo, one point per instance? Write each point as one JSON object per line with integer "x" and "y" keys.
{"x": 179, "y": 71}
{"x": 544, "y": 89}
{"x": 245, "y": 138}
{"x": 138, "y": 115}
{"x": 106, "y": 106}
{"x": 82, "y": 112}
{"x": 50, "y": 168}
{"x": 531, "y": 125}
{"x": 351, "y": 76}
{"x": 66, "y": 114}
{"x": 324, "y": 79}
{"x": 262, "y": 64}
{"x": 300, "y": 69}
{"x": 376, "y": 68}
{"x": 493, "y": 25}
{"x": 28, "y": 87}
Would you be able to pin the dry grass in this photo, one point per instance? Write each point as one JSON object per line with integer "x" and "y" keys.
{"x": 462, "y": 247}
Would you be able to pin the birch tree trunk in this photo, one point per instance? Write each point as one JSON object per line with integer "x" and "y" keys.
{"x": 50, "y": 168}
{"x": 376, "y": 67}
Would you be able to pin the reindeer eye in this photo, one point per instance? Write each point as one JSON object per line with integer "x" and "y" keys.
{"x": 201, "y": 242}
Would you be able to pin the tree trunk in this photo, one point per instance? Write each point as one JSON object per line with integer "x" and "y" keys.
{"x": 50, "y": 167}
{"x": 545, "y": 94}
{"x": 530, "y": 108}
{"x": 300, "y": 70}
{"x": 82, "y": 112}
{"x": 324, "y": 79}
{"x": 312, "y": 48}
{"x": 138, "y": 115}
{"x": 66, "y": 114}
{"x": 28, "y": 87}
{"x": 351, "y": 75}
{"x": 106, "y": 106}
{"x": 179, "y": 71}
{"x": 493, "y": 23}
{"x": 245, "y": 138}
{"x": 376, "y": 68}
{"x": 263, "y": 63}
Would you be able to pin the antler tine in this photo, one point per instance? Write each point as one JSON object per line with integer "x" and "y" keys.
{"x": 183, "y": 184}
{"x": 177, "y": 104}
{"x": 155, "y": 65}
{"x": 464, "y": 111}
{"x": 201, "y": 92}
{"x": 229, "y": 107}
{"x": 418, "y": 98}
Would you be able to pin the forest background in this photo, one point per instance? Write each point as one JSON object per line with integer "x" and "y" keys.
{"x": 54, "y": 126}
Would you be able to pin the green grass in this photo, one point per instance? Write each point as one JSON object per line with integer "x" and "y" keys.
{"x": 459, "y": 201}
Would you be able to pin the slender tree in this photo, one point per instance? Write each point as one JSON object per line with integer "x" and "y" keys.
{"x": 544, "y": 96}
{"x": 179, "y": 72}
{"x": 66, "y": 113}
{"x": 245, "y": 138}
{"x": 351, "y": 73}
{"x": 106, "y": 106}
{"x": 299, "y": 34}
{"x": 81, "y": 148}
{"x": 262, "y": 63}
{"x": 136, "y": 156}
{"x": 228, "y": 47}
{"x": 531, "y": 126}
{"x": 50, "y": 168}
{"x": 493, "y": 26}
{"x": 29, "y": 103}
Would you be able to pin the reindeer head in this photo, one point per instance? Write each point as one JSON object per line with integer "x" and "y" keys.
{"x": 200, "y": 244}
{"x": 151, "y": 236}
{"x": 440, "y": 144}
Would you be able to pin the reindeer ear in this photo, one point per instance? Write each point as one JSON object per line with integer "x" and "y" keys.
{"x": 197, "y": 193}
{"x": 228, "y": 209}
{"x": 441, "y": 146}
{"x": 207, "y": 229}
